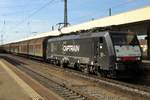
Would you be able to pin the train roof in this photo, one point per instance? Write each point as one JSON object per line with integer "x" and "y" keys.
{"x": 137, "y": 15}
{"x": 77, "y": 36}
{"x": 87, "y": 35}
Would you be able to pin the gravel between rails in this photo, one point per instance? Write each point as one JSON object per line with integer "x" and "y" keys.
{"x": 61, "y": 89}
{"x": 88, "y": 90}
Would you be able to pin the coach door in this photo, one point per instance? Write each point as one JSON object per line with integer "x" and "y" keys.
{"x": 102, "y": 52}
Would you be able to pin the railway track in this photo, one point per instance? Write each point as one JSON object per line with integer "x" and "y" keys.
{"x": 133, "y": 89}
{"x": 61, "y": 89}
{"x": 139, "y": 90}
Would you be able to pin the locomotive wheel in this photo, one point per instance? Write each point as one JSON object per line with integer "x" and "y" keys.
{"x": 77, "y": 66}
{"x": 57, "y": 62}
{"x": 51, "y": 62}
{"x": 61, "y": 64}
{"x": 103, "y": 73}
{"x": 85, "y": 69}
{"x": 64, "y": 65}
{"x": 98, "y": 74}
{"x": 112, "y": 74}
{"x": 98, "y": 71}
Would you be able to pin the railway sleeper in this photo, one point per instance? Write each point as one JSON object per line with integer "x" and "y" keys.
{"x": 64, "y": 94}
{"x": 74, "y": 95}
{"x": 82, "y": 98}
{"x": 59, "y": 88}
{"x": 66, "y": 91}
{"x": 77, "y": 98}
{"x": 85, "y": 69}
{"x": 71, "y": 95}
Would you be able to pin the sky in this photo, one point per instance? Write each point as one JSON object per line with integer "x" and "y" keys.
{"x": 23, "y": 18}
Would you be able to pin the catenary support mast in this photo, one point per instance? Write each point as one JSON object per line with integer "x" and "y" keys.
{"x": 65, "y": 14}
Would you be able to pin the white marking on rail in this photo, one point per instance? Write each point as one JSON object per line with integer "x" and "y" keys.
{"x": 32, "y": 93}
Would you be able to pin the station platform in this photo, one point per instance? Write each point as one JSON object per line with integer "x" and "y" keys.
{"x": 146, "y": 61}
{"x": 146, "y": 64}
{"x": 13, "y": 87}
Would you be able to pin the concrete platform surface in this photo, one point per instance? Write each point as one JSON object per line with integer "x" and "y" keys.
{"x": 13, "y": 88}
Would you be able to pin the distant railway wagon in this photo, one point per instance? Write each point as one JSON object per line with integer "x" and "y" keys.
{"x": 107, "y": 53}
{"x": 6, "y": 47}
{"x": 36, "y": 47}
{"x": 33, "y": 48}
{"x": 14, "y": 48}
{"x": 23, "y": 47}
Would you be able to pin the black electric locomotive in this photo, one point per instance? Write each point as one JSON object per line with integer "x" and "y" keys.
{"x": 112, "y": 54}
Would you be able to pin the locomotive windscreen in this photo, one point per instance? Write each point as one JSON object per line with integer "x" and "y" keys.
{"x": 124, "y": 39}
{"x": 126, "y": 45}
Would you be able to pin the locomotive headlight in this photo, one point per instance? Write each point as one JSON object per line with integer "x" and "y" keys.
{"x": 100, "y": 47}
{"x": 78, "y": 61}
{"x": 138, "y": 58}
{"x": 118, "y": 59}
{"x": 92, "y": 63}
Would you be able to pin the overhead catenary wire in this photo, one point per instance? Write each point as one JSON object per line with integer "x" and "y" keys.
{"x": 130, "y": 2}
{"x": 124, "y": 3}
{"x": 36, "y": 11}
{"x": 14, "y": 13}
{"x": 106, "y": 11}
{"x": 3, "y": 26}
{"x": 19, "y": 6}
